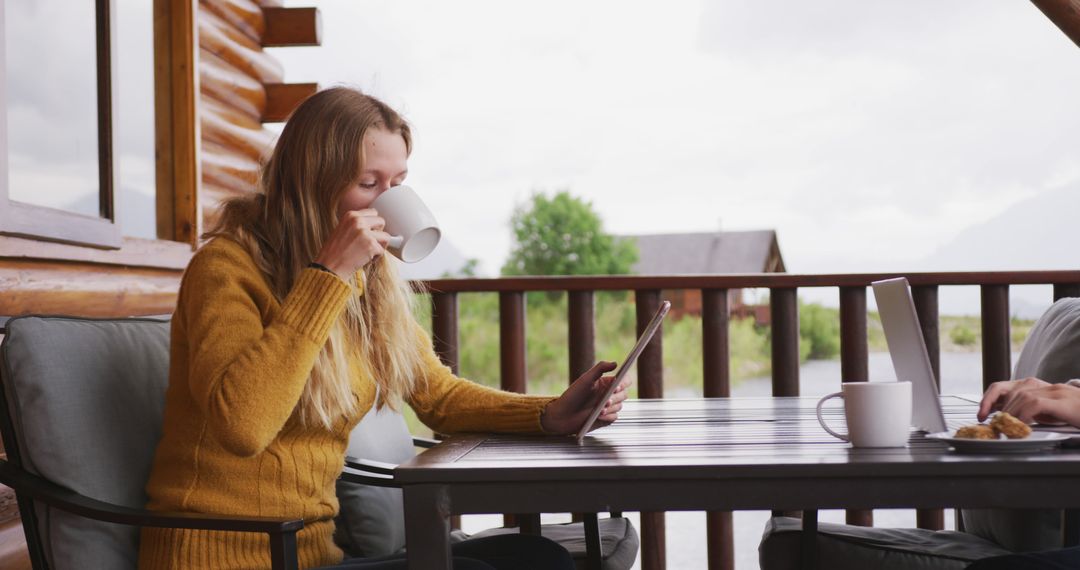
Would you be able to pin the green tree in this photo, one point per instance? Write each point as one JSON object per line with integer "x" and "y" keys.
{"x": 562, "y": 235}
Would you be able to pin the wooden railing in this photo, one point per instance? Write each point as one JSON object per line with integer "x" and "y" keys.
{"x": 783, "y": 299}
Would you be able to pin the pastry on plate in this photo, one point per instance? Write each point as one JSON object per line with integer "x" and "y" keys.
{"x": 977, "y": 431}
{"x": 1007, "y": 425}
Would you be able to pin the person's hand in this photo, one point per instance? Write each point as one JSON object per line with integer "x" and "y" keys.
{"x": 566, "y": 414}
{"x": 1000, "y": 392}
{"x": 1032, "y": 400}
{"x": 356, "y": 241}
{"x": 1049, "y": 404}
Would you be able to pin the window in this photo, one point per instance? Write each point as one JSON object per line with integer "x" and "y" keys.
{"x": 133, "y": 116}
{"x": 56, "y": 131}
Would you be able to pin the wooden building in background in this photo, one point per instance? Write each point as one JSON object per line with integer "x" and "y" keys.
{"x": 214, "y": 88}
{"x": 707, "y": 253}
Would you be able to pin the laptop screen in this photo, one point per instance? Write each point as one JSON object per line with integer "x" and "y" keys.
{"x": 908, "y": 352}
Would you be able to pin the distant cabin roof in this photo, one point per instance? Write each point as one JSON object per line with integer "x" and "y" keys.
{"x": 708, "y": 252}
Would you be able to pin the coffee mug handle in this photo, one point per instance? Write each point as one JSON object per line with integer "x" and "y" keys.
{"x": 821, "y": 420}
{"x": 396, "y": 242}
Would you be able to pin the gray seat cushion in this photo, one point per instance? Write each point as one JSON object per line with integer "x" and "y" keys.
{"x": 843, "y": 547}
{"x": 1051, "y": 352}
{"x": 1016, "y": 530}
{"x": 618, "y": 541}
{"x": 86, "y": 398}
{"x": 371, "y": 521}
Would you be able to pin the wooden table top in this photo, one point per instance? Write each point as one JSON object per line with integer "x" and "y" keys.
{"x": 728, "y": 438}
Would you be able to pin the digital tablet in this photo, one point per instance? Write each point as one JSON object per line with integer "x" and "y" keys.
{"x": 642, "y": 342}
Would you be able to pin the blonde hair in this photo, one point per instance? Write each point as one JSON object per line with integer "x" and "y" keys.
{"x": 284, "y": 225}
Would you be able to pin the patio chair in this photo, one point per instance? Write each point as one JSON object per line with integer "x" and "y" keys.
{"x": 1051, "y": 352}
{"x": 371, "y": 520}
{"x": 80, "y": 415}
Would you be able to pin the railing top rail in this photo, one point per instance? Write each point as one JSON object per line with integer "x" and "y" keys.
{"x": 743, "y": 281}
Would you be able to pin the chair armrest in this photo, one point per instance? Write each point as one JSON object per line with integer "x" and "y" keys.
{"x": 65, "y": 499}
{"x": 369, "y": 465}
{"x": 363, "y": 477}
{"x": 424, "y": 442}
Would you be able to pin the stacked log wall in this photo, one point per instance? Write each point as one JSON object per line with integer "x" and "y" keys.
{"x": 241, "y": 87}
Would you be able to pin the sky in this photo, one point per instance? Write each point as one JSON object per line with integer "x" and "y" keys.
{"x": 871, "y": 135}
{"x": 868, "y": 134}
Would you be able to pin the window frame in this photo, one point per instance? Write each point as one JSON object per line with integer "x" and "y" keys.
{"x": 50, "y": 224}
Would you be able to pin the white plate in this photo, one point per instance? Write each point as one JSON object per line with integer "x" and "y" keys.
{"x": 1037, "y": 441}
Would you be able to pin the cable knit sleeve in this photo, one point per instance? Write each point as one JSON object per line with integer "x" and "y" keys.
{"x": 247, "y": 375}
{"x": 449, "y": 404}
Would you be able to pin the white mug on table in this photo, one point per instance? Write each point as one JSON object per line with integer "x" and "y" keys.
{"x": 878, "y": 413}
{"x": 413, "y": 229}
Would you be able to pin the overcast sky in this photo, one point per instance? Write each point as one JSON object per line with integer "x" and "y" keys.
{"x": 867, "y": 133}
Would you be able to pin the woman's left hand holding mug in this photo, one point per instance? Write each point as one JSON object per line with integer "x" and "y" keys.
{"x": 356, "y": 241}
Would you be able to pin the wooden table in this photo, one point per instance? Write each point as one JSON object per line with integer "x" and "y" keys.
{"x": 719, "y": 455}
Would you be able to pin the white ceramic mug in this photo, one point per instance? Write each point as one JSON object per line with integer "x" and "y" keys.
{"x": 413, "y": 229}
{"x": 878, "y": 413}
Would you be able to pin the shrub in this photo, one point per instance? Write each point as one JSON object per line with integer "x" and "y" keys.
{"x": 819, "y": 331}
{"x": 962, "y": 336}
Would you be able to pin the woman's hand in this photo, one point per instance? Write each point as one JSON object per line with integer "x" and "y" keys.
{"x": 566, "y": 414}
{"x": 356, "y": 241}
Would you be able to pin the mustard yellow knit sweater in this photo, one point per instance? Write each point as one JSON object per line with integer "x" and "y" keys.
{"x": 231, "y": 442}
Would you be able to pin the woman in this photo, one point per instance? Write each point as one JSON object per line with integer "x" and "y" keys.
{"x": 290, "y": 325}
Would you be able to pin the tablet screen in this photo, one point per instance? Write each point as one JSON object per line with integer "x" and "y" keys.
{"x": 642, "y": 342}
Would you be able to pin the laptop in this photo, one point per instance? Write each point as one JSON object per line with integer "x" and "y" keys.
{"x": 909, "y": 357}
{"x": 912, "y": 363}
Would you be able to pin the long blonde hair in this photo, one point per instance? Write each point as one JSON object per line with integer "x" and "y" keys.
{"x": 284, "y": 225}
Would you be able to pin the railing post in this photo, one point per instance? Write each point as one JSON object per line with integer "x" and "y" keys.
{"x": 650, "y": 365}
{"x": 512, "y": 354}
{"x": 854, "y": 347}
{"x": 854, "y": 361}
{"x": 784, "y": 314}
{"x": 715, "y": 314}
{"x": 650, "y": 371}
{"x": 715, "y": 321}
{"x": 926, "y": 307}
{"x": 444, "y": 327}
{"x": 582, "y": 332}
{"x": 1063, "y": 290}
{"x": 996, "y": 343}
{"x": 512, "y": 341}
{"x": 581, "y": 338}
{"x": 784, "y": 309}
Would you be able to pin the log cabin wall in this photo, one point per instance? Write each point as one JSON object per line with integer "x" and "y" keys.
{"x": 240, "y": 87}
